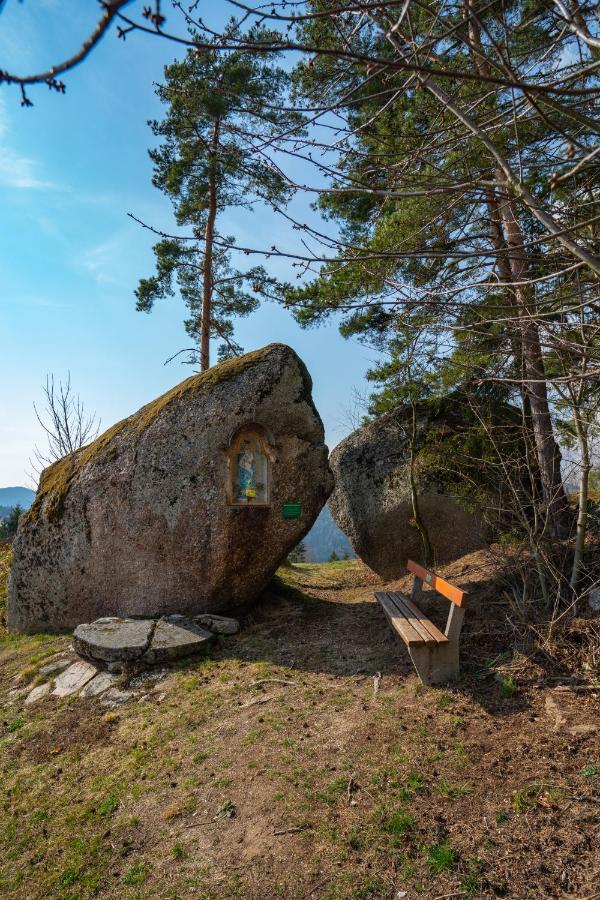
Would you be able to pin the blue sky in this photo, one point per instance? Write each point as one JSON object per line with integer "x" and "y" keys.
{"x": 71, "y": 168}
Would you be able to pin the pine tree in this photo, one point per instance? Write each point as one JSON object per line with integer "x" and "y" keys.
{"x": 428, "y": 217}
{"x": 298, "y": 554}
{"x": 9, "y": 525}
{"x": 222, "y": 108}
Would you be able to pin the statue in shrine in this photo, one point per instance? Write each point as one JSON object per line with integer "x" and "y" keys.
{"x": 246, "y": 475}
{"x": 251, "y": 470}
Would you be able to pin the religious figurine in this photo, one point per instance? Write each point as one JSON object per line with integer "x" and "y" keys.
{"x": 246, "y": 475}
{"x": 250, "y": 471}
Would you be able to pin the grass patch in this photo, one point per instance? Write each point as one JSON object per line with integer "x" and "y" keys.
{"x": 136, "y": 874}
{"x": 333, "y": 790}
{"x": 15, "y": 725}
{"x": 416, "y": 782}
{"x": 397, "y": 824}
{"x": 471, "y": 882}
{"x": 452, "y": 791}
{"x": 534, "y": 794}
{"x": 440, "y": 858}
{"x": 108, "y": 806}
{"x": 178, "y": 851}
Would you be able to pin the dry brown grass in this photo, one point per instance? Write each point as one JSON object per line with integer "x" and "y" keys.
{"x": 238, "y": 784}
{"x": 5, "y": 561}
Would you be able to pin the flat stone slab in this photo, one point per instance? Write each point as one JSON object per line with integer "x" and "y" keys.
{"x": 218, "y": 624}
{"x": 42, "y": 690}
{"x": 74, "y": 678}
{"x": 100, "y": 683}
{"x": 57, "y": 666}
{"x": 174, "y": 638}
{"x": 114, "y": 698}
{"x": 114, "y": 639}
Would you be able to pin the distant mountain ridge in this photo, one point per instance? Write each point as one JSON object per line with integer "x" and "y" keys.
{"x": 10, "y": 496}
{"x": 325, "y": 538}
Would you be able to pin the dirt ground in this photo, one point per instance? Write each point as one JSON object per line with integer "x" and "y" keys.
{"x": 303, "y": 759}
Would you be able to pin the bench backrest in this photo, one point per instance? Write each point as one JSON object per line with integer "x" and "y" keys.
{"x": 454, "y": 594}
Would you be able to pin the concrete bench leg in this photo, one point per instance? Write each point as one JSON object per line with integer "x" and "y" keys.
{"x": 436, "y": 665}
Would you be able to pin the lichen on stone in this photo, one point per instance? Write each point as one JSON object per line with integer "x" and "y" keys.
{"x": 56, "y": 480}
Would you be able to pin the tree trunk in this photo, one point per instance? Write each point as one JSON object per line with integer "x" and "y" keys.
{"x": 499, "y": 243}
{"x": 582, "y": 511}
{"x": 515, "y": 266}
{"x": 207, "y": 268}
{"x": 422, "y": 528}
{"x": 547, "y": 451}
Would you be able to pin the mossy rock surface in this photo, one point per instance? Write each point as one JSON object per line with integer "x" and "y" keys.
{"x": 56, "y": 479}
{"x": 455, "y": 480}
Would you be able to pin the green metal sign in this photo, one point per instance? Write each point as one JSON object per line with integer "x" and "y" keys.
{"x": 291, "y": 510}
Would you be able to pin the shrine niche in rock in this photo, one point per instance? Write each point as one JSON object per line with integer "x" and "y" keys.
{"x": 182, "y": 508}
{"x": 249, "y": 465}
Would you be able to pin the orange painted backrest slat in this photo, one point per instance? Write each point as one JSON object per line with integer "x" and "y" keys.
{"x": 442, "y": 587}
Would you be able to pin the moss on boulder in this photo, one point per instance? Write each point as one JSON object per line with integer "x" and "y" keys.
{"x": 140, "y": 522}
{"x": 56, "y": 479}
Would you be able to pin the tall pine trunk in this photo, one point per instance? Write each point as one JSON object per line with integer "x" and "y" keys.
{"x": 508, "y": 231}
{"x": 209, "y": 238}
{"x": 547, "y": 451}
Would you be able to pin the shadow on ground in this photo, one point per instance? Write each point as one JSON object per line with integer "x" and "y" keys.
{"x": 322, "y": 628}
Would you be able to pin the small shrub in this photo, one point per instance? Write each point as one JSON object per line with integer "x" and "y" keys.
{"x": 15, "y": 725}
{"x": 178, "y": 851}
{"x": 356, "y": 839}
{"x": 590, "y": 771}
{"x": 508, "y": 687}
{"x": 227, "y": 810}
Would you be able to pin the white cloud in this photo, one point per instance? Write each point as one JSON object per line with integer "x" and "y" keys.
{"x": 17, "y": 171}
{"x": 99, "y": 260}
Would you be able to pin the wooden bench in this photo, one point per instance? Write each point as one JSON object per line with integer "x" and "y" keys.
{"x": 434, "y": 655}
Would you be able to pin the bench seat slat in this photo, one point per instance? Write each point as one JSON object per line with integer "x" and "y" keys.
{"x": 412, "y": 620}
{"x": 398, "y": 621}
{"x": 413, "y": 613}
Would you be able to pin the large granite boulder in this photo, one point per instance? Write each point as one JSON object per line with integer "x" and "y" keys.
{"x": 372, "y": 500}
{"x": 188, "y": 506}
